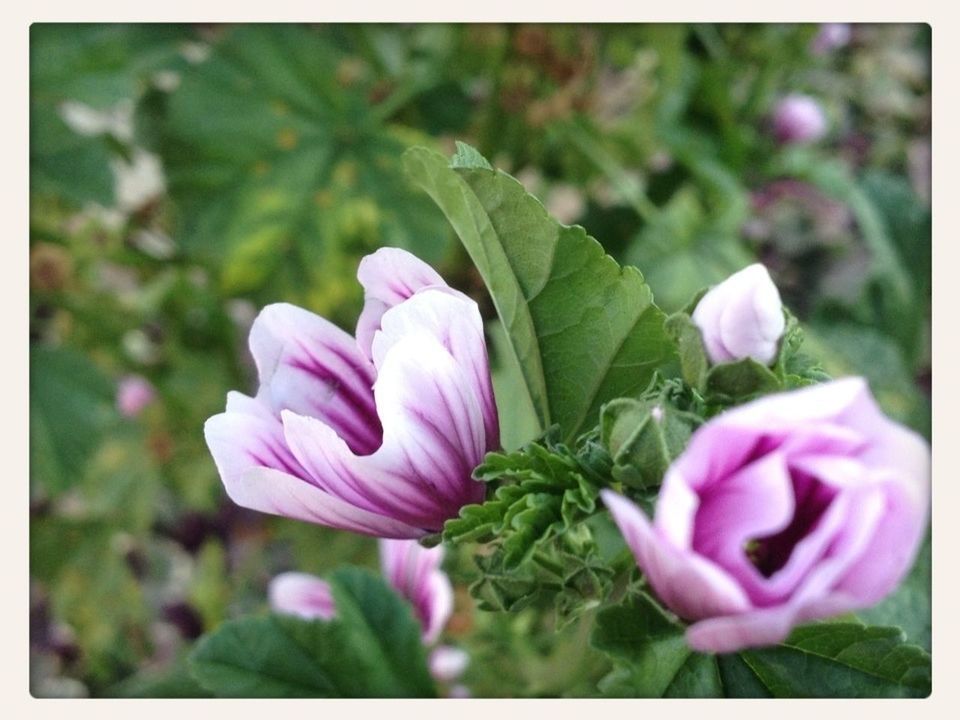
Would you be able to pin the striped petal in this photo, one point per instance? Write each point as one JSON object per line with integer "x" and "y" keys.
{"x": 389, "y": 276}
{"x": 310, "y": 366}
{"x": 433, "y": 437}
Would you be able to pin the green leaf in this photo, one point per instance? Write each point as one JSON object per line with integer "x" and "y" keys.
{"x": 371, "y": 649}
{"x": 647, "y": 641}
{"x": 71, "y": 406}
{"x": 827, "y": 659}
{"x": 583, "y": 329}
{"x": 280, "y": 169}
{"x": 843, "y": 660}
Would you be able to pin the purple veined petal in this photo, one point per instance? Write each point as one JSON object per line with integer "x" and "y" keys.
{"x": 433, "y": 438}
{"x": 415, "y": 572}
{"x": 260, "y": 472}
{"x": 689, "y": 585}
{"x": 277, "y": 493}
{"x": 310, "y": 366}
{"x": 300, "y": 594}
{"x": 433, "y": 422}
{"x": 447, "y": 663}
{"x": 389, "y": 276}
{"x": 454, "y": 319}
{"x": 248, "y": 436}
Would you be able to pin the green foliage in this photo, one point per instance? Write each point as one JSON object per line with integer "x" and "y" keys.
{"x": 543, "y": 490}
{"x": 371, "y": 649}
{"x": 99, "y": 65}
{"x": 583, "y": 329}
{"x": 829, "y": 659}
{"x": 644, "y": 437}
{"x": 281, "y": 167}
{"x": 71, "y": 407}
{"x": 542, "y": 548}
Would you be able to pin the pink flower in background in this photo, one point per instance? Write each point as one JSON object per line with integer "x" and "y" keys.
{"x": 301, "y": 594}
{"x": 741, "y": 317}
{"x": 134, "y": 393}
{"x": 831, "y": 36}
{"x": 799, "y": 119}
{"x": 377, "y": 435}
{"x": 797, "y": 506}
{"x": 413, "y": 571}
{"x": 447, "y": 663}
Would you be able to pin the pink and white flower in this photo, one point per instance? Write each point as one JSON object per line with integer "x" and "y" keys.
{"x": 379, "y": 434}
{"x": 413, "y": 571}
{"x": 796, "y": 506}
{"x": 741, "y": 317}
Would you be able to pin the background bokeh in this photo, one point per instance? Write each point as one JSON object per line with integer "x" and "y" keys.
{"x": 184, "y": 176}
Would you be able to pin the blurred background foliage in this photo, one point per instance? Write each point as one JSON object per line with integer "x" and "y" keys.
{"x": 184, "y": 176}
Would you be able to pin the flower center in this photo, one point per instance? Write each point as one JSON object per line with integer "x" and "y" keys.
{"x": 772, "y": 552}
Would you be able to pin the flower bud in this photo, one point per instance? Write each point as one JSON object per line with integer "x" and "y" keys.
{"x": 741, "y": 317}
{"x": 798, "y": 119}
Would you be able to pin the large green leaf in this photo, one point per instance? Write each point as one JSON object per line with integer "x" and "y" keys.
{"x": 280, "y": 165}
{"x": 583, "y": 329}
{"x": 71, "y": 406}
{"x": 827, "y": 659}
{"x": 371, "y": 649}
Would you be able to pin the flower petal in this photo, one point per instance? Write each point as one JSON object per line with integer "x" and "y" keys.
{"x": 433, "y": 438}
{"x": 248, "y": 436}
{"x": 300, "y": 594}
{"x": 691, "y": 586}
{"x": 454, "y": 319}
{"x": 389, "y": 276}
{"x": 415, "y": 572}
{"x": 275, "y": 492}
{"x": 310, "y": 366}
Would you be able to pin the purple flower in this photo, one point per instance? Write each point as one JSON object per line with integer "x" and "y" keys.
{"x": 831, "y": 36}
{"x": 798, "y": 119}
{"x": 377, "y": 435}
{"x": 415, "y": 572}
{"x": 741, "y": 317}
{"x": 134, "y": 393}
{"x": 797, "y": 506}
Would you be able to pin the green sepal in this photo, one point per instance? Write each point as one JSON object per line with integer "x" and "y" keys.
{"x": 643, "y": 438}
